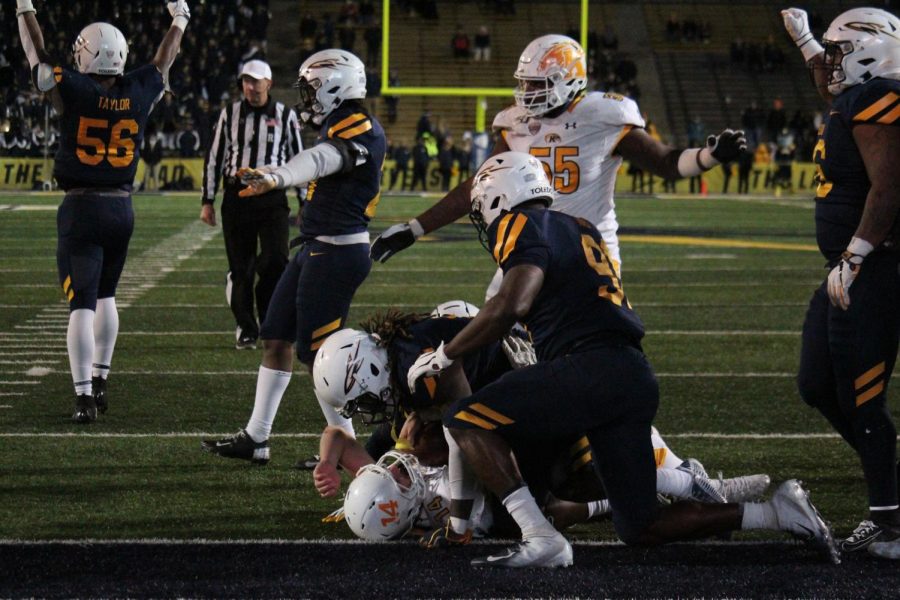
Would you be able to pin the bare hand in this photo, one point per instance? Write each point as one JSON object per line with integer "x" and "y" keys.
{"x": 208, "y": 214}
{"x": 326, "y": 479}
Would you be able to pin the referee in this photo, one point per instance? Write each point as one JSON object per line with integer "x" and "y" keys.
{"x": 254, "y": 132}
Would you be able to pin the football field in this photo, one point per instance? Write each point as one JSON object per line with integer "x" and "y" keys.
{"x": 721, "y": 284}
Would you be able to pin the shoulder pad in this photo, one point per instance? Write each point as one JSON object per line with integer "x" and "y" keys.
{"x": 877, "y": 101}
{"x": 508, "y": 117}
{"x": 611, "y": 109}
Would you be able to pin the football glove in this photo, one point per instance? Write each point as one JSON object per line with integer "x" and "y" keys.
{"x": 180, "y": 12}
{"x": 519, "y": 352}
{"x": 335, "y": 516}
{"x": 429, "y": 364}
{"x": 844, "y": 273}
{"x": 445, "y": 537}
{"x": 797, "y": 25}
{"x": 726, "y": 146}
{"x": 258, "y": 181}
{"x": 394, "y": 239}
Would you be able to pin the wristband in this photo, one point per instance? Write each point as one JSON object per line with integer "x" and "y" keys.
{"x": 24, "y": 6}
{"x": 860, "y": 247}
{"x": 403, "y": 445}
{"x": 694, "y": 161}
{"x": 180, "y": 22}
{"x": 416, "y": 228}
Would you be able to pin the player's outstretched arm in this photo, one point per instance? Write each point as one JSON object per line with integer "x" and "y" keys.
{"x": 796, "y": 23}
{"x": 327, "y": 158}
{"x": 337, "y": 448}
{"x": 454, "y": 205}
{"x": 168, "y": 49}
{"x": 674, "y": 163}
{"x": 38, "y": 59}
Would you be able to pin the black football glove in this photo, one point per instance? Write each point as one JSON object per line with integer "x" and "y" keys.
{"x": 392, "y": 240}
{"x": 726, "y": 146}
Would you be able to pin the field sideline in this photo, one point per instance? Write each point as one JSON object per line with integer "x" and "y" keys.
{"x": 721, "y": 284}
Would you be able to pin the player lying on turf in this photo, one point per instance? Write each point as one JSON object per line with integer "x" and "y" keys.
{"x": 591, "y": 378}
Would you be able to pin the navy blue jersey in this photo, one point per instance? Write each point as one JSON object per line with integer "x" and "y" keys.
{"x": 481, "y": 367}
{"x": 581, "y": 301}
{"x": 101, "y": 131}
{"x": 843, "y": 182}
{"x": 344, "y": 202}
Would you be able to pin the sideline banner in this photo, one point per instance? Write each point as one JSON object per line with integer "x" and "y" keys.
{"x": 29, "y": 173}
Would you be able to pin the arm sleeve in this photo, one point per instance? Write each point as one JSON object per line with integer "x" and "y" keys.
{"x": 319, "y": 161}
{"x": 213, "y": 165}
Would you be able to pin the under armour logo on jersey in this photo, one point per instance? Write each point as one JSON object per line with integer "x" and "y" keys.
{"x": 572, "y": 125}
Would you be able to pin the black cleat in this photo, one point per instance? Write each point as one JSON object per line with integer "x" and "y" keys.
{"x": 98, "y": 388}
{"x": 308, "y": 464}
{"x": 85, "y": 409}
{"x": 241, "y": 446}
{"x": 245, "y": 342}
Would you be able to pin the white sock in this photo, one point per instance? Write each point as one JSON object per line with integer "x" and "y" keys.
{"x": 80, "y": 343}
{"x": 336, "y": 420}
{"x": 759, "y": 515}
{"x": 598, "y": 507}
{"x": 106, "y": 330}
{"x": 527, "y": 515}
{"x": 665, "y": 458}
{"x": 674, "y": 483}
{"x": 270, "y": 387}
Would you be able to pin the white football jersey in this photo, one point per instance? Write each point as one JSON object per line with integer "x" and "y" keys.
{"x": 435, "y": 509}
{"x": 576, "y": 148}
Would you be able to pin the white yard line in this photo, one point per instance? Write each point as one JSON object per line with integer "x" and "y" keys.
{"x": 304, "y": 373}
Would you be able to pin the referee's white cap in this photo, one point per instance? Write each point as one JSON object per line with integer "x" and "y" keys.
{"x": 256, "y": 69}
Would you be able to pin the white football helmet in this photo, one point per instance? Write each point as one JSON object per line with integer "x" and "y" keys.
{"x": 352, "y": 374}
{"x": 455, "y": 308}
{"x": 504, "y": 181}
{"x": 326, "y": 79}
{"x": 552, "y": 71}
{"x": 377, "y": 506}
{"x": 100, "y": 49}
{"x": 860, "y": 44}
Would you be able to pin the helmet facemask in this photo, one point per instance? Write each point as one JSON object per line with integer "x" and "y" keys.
{"x": 308, "y": 105}
{"x": 833, "y": 62}
{"x": 373, "y": 408}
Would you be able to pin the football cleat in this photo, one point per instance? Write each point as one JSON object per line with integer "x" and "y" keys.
{"x": 887, "y": 545}
{"x": 445, "y": 537}
{"x": 747, "y": 488}
{"x": 241, "y": 446}
{"x": 98, "y": 391}
{"x": 245, "y": 342}
{"x": 797, "y": 515}
{"x": 864, "y": 534}
{"x": 85, "y": 409}
{"x": 309, "y": 464}
{"x": 702, "y": 489}
{"x": 547, "y": 552}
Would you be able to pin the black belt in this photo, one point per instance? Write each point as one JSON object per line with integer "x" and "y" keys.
{"x": 98, "y": 191}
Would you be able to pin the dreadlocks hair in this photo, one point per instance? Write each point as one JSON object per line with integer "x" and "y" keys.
{"x": 391, "y": 325}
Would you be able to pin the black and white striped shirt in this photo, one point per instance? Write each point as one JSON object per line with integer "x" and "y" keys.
{"x": 245, "y": 136}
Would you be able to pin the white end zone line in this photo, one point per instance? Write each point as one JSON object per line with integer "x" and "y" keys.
{"x": 198, "y": 434}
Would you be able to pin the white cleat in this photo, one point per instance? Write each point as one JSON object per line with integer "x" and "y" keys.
{"x": 703, "y": 489}
{"x": 747, "y": 488}
{"x": 547, "y": 552}
{"x": 797, "y": 515}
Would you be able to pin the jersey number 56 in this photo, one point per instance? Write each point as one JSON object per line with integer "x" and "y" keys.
{"x": 92, "y": 134}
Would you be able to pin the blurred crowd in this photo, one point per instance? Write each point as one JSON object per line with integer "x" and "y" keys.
{"x": 222, "y": 36}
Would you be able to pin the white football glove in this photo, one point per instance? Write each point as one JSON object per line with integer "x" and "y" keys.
{"x": 429, "y": 364}
{"x": 797, "y": 25}
{"x": 519, "y": 352}
{"x": 844, "y": 273}
{"x": 180, "y": 12}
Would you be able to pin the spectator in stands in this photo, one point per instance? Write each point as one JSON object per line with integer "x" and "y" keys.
{"x": 151, "y": 154}
{"x": 188, "y": 141}
{"x": 400, "y": 154}
{"x": 784, "y": 160}
{"x": 754, "y": 57}
{"x": 609, "y": 41}
{"x": 392, "y": 101}
{"x": 41, "y": 140}
{"x": 424, "y": 124}
{"x": 325, "y": 38}
{"x": 420, "y": 164}
{"x": 673, "y": 28}
{"x": 752, "y": 122}
{"x": 372, "y": 37}
{"x": 483, "y": 44}
{"x": 745, "y": 165}
{"x": 373, "y": 89}
{"x": 463, "y": 155}
{"x": 776, "y": 119}
{"x": 459, "y": 43}
{"x": 366, "y": 13}
{"x": 347, "y": 35}
{"x": 773, "y": 57}
{"x": 308, "y": 27}
{"x": 349, "y": 13}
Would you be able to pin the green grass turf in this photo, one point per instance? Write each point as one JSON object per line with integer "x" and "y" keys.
{"x": 714, "y": 314}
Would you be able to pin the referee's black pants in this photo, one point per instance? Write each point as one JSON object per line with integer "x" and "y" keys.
{"x": 256, "y": 234}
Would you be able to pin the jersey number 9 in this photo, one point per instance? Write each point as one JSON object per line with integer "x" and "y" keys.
{"x": 119, "y": 152}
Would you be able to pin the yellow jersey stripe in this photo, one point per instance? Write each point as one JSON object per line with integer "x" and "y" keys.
{"x": 470, "y": 418}
{"x": 659, "y": 455}
{"x": 869, "y": 375}
{"x": 349, "y": 133}
{"x": 67, "y": 283}
{"x": 70, "y": 295}
{"x": 490, "y": 413}
{"x": 891, "y": 116}
{"x": 501, "y": 232}
{"x": 372, "y": 206}
{"x": 326, "y": 328}
{"x": 317, "y": 345}
{"x": 581, "y": 461}
{"x": 513, "y": 236}
{"x": 347, "y": 122}
{"x": 578, "y": 446}
{"x": 876, "y": 107}
{"x": 430, "y": 385}
{"x": 873, "y": 391}
{"x": 575, "y": 102}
